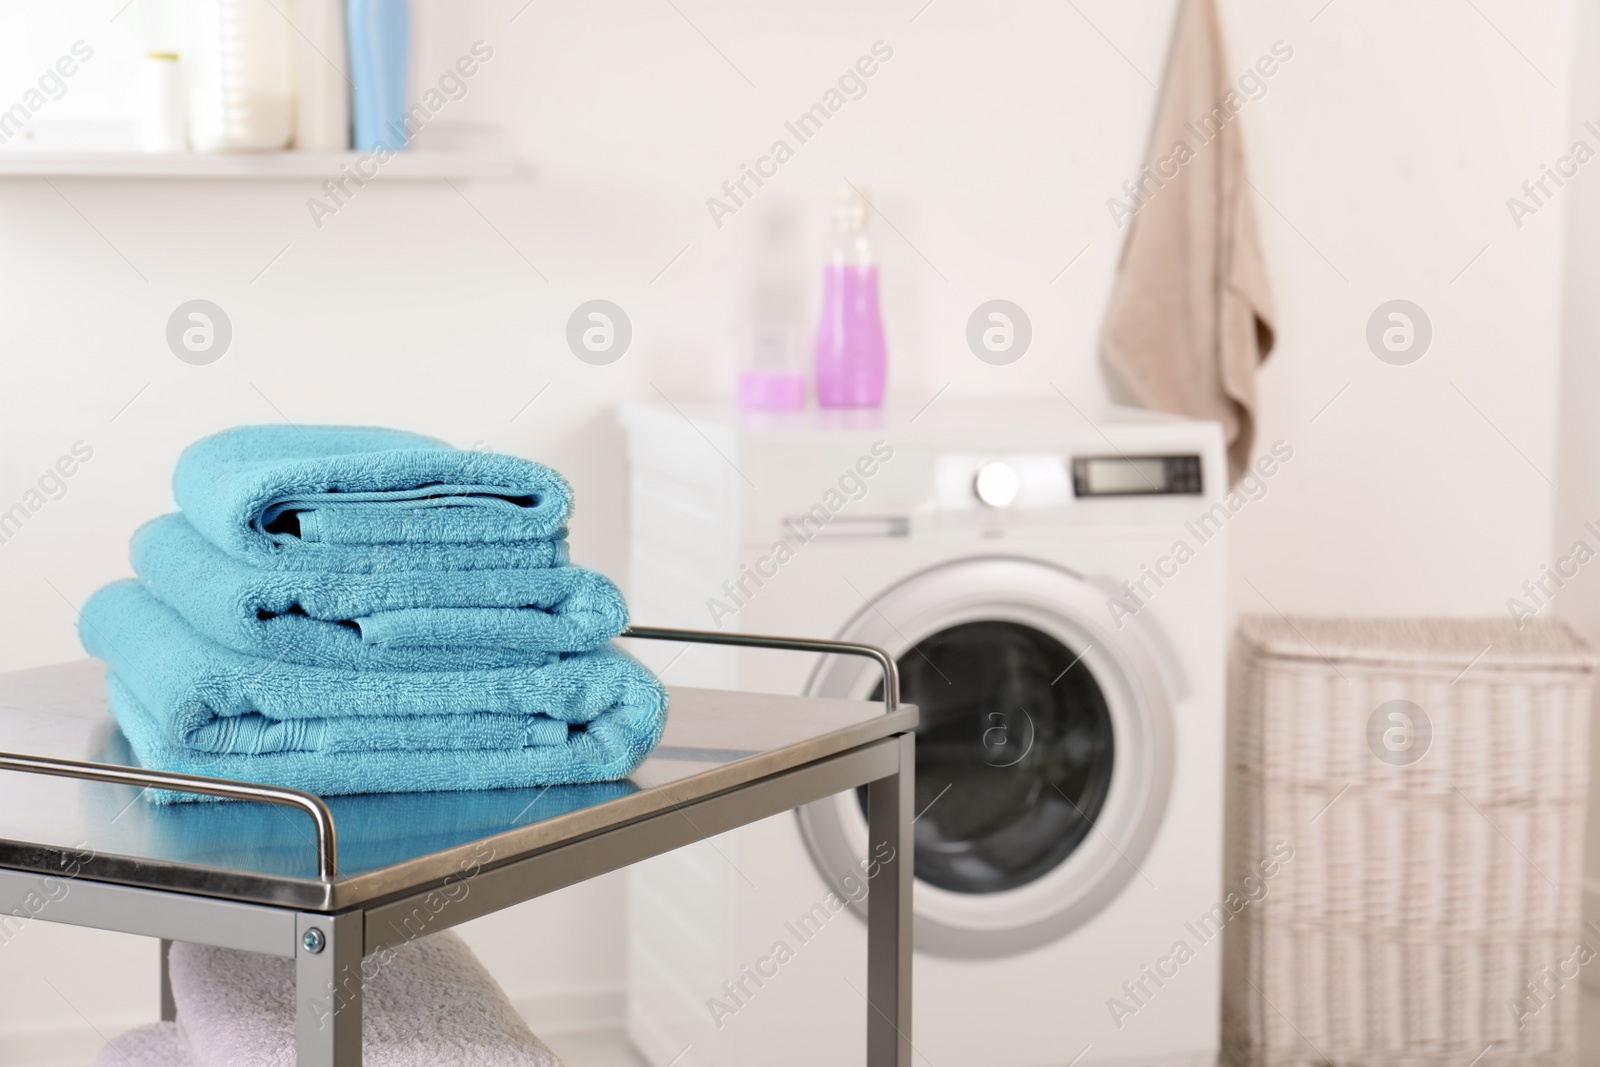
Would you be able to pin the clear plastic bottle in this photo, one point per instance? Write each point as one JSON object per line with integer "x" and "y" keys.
{"x": 849, "y": 355}
{"x": 238, "y": 64}
{"x": 774, "y": 375}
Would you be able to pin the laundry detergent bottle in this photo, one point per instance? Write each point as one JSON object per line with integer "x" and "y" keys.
{"x": 849, "y": 356}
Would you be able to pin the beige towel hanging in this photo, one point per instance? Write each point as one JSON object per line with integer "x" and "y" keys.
{"x": 1191, "y": 315}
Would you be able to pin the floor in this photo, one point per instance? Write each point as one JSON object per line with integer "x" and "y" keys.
{"x": 613, "y": 1050}
{"x": 1588, "y": 1030}
{"x": 594, "y": 1050}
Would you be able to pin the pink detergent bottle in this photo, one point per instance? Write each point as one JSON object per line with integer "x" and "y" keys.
{"x": 849, "y": 359}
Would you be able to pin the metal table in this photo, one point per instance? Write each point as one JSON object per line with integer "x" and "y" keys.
{"x": 330, "y": 882}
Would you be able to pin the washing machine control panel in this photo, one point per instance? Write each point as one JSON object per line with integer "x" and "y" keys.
{"x": 1052, "y": 482}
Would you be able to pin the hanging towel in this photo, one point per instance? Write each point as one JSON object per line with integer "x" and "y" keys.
{"x": 420, "y": 620}
{"x": 336, "y": 497}
{"x": 1191, "y": 316}
{"x": 425, "y": 1003}
{"x": 188, "y": 704}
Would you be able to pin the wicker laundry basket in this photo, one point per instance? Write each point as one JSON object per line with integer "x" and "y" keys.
{"x": 1430, "y": 778}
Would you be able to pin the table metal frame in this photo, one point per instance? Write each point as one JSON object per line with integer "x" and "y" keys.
{"x": 328, "y": 946}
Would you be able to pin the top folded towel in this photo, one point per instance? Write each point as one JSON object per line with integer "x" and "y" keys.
{"x": 348, "y": 497}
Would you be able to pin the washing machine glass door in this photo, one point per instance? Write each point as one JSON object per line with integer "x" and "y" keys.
{"x": 1015, "y": 727}
{"x": 1044, "y": 752}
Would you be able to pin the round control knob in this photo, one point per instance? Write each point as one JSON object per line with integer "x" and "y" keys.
{"x": 996, "y": 484}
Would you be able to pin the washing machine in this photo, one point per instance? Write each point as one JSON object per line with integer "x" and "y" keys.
{"x": 1051, "y": 582}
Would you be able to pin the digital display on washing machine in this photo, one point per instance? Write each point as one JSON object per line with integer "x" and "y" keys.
{"x": 1135, "y": 475}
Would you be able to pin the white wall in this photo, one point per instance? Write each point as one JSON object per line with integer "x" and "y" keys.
{"x": 1385, "y": 161}
{"x": 1383, "y": 153}
{"x": 1578, "y": 502}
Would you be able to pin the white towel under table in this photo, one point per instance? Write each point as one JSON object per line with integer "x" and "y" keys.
{"x": 428, "y": 1003}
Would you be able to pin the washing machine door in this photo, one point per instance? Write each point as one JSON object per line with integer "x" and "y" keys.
{"x": 1044, "y": 752}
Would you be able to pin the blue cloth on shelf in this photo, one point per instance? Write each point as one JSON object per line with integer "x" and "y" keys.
{"x": 344, "y": 497}
{"x": 188, "y": 704}
{"x": 389, "y": 619}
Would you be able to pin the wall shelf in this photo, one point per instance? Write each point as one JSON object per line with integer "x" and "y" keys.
{"x": 460, "y": 152}
{"x": 320, "y": 165}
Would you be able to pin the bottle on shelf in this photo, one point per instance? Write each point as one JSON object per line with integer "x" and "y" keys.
{"x": 322, "y": 83}
{"x": 379, "y": 33}
{"x": 849, "y": 360}
{"x": 773, "y": 376}
{"x": 163, "y": 117}
{"x": 238, "y": 65}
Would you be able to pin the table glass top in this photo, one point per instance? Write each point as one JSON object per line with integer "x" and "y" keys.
{"x": 714, "y": 740}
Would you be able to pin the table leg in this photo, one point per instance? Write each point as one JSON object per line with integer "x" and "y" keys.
{"x": 169, "y": 1007}
{"x": 889, "y": 815}
{"x": 327, "y": 1025}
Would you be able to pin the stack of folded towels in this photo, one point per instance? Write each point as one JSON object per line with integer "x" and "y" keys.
{"x": 428, "y": 1004}
{"x": 355, "y": 610}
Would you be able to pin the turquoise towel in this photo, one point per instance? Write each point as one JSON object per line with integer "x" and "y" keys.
{"x": 188, "y": 704}
{"x": 341, "y": 498}
{"x": 389, "y": 619}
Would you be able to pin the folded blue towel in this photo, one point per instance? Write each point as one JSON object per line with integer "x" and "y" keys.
{"x": 330, "y": 498}
{"x": 188, "y": 704}
{"x": 389, "y": 619}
